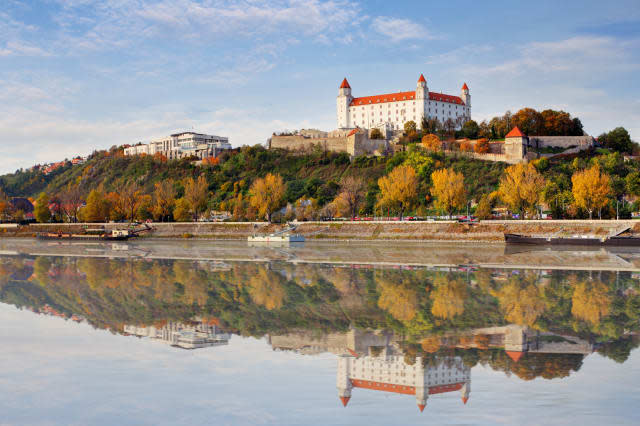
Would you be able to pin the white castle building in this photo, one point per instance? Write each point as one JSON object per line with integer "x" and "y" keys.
{"x": 392, "y": 110}
{"x": 390, "y": 373}
{"x": 184, "y": 144}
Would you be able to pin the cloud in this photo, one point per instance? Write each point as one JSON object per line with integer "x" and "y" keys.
{"x": 582, "y": 54}
{"x": 397, "y": 29}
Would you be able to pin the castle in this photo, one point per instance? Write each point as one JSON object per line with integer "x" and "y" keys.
{"x": 391, "y": 111}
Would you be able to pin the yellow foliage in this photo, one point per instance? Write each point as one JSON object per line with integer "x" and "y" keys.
{"x": 448, "y": 189}
{"x": 267, "y": 195}
{"x": 590, "y": 301}
{"x": 448, "y": 297}
{"x": 591, "y": 188}
{"x": 399, "y": 188}
{"x": 521, "y": 187}
{"x": 521, "y": 301}
{"x": 399, "y": 300}
{"x": 266, "y": 289}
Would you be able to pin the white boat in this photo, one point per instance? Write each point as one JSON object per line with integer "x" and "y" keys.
{"x": 275, "y": 238}
{"x": 283, "y": 236}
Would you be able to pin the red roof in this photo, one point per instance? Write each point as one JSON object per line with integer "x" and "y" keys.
{"x": 515, "y": 133}
{"x": 345, "y": 400}
{"x": 445, "y": 98}
{"x": 421, "y": 79}
{"x": 345, "y": 84}
{"x": 465, "y": 87}
{"x": 403, "y": 96}
{"x": 465, "y": 399}
{"x": 403, "y": 389}
{"x": 515, "y": 356}
{"x": 445, "y": 388}
{"x": 421, "y": 407}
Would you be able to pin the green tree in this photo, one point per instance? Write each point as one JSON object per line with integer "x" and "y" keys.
{"x": 376, "y": 134}
{"x": 617, "y": 139}
{"x": 470, "y": 129}
{"x": 410, "y": 127}
{"x": 41, "y": 211}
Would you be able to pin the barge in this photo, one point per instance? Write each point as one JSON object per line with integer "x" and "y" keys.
{"x": 576, "y": 240}
{"x": 94, "y": 235}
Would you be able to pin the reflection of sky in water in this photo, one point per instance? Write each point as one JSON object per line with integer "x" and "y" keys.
{"x": 59, "y": 372}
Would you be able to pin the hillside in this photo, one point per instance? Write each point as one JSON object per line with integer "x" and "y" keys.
{"x": 314, "y": 175}
{"x": 317, "y": 175}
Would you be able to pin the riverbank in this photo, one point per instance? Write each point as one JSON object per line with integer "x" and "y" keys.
{"x": 485, "y": 231}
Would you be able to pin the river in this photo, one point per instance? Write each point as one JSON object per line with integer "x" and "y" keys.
{"x": 173, "y": 332}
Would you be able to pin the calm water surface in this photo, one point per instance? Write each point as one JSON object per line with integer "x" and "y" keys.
{"x": 222, "y": 333}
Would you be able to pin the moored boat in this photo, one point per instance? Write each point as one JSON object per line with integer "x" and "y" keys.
{"x": 611, "y": 241}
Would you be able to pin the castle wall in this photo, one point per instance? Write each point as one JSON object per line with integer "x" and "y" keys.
{"x": 354, "y": 145}
{"x": 301, "y": 143}
{"x": 583, "y": 142}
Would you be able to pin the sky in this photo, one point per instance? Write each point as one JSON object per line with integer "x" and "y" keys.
{"x": 80, "y": 75}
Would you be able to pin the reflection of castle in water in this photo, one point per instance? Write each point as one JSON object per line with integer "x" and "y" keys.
{"x": 389, "y": 372}
{"x": 192, "y": 335}
{"x": 376, "y": 360}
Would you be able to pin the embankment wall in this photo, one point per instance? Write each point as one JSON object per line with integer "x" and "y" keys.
{"x": 489, "y": 231}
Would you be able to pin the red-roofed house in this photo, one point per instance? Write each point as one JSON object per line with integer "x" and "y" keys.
{"x": 392, "y": 110}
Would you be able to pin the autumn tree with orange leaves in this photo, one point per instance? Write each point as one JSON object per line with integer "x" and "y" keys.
{"x": 432, "y": 142}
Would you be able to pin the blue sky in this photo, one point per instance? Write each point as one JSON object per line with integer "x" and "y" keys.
{"x": 78, "y": 75}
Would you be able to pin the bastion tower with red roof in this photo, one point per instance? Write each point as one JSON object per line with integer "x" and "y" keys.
{"x": 390, "y": 111}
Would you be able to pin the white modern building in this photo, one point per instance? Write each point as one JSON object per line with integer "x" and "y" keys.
{"x": 184, "y": 144}
{"x": 197, "y": 334}
{"x": 392, "y": 110}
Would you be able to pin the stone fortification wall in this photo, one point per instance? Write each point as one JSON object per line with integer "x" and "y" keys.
{"x": 301, "y": 143}
{"x": 365, "y": 146}
{"x": 561, "y": 141}
{"x": 354, "y": 145}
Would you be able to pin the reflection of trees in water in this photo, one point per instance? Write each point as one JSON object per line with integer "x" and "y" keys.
{"x": 266, "y": 290}
{"x": 590, "y": 301}
{"x": 521, "y": 299}
{"x": 448, "y": 295}
{"x": 258, "y": 298}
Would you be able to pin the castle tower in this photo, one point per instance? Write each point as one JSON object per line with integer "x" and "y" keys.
{"x": 343, "y": 383}
{"x": 465, "y": 391}
{"x": 343, "y": 102}
{"x": 422, "y": 390}
{"x": 422, "y": 91}
{"x": 466, "y": 97}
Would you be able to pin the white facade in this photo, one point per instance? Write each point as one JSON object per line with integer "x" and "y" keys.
{"x": 395, "y": 109}
{"x": 390, "y": 373}
{"x": 187, "y": 336}
{"x": 181, "y": 145}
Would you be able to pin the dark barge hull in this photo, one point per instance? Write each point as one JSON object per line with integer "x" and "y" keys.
{"x": 79, "y": 237}
{"x": 551, "y": 241}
